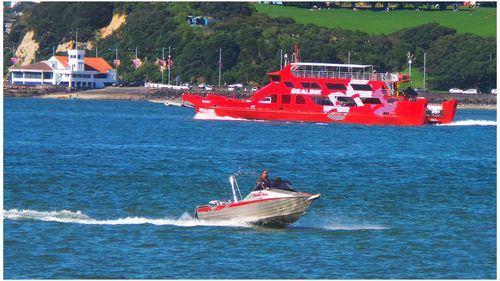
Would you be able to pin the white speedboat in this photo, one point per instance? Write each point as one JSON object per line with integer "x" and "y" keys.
{"x": 279, "y": 205}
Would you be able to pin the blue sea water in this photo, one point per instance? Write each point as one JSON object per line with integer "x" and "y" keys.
{"x": 107, "y": 189}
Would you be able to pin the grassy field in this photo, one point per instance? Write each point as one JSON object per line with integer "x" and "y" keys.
{"x": 417, "y": 79}
{"x": 481, "y": 21}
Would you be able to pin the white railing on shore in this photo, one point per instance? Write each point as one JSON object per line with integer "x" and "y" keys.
{"x": 159, "y": 85}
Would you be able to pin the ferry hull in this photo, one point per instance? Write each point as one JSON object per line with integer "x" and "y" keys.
{"x": 407, "y": 113}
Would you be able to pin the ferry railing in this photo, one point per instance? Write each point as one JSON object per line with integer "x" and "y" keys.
{"x": 343, "y": 75}
{"x": 390, "y": 86}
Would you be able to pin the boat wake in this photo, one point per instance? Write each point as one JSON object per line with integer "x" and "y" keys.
{"x": 333, "y": 226}
{"x": 185, "y": 220}
{"x": 471, "y": 123}
{"x": 353, "y": 227}
{"x": 213, "y": 116}
{"x": 64, "y": 216}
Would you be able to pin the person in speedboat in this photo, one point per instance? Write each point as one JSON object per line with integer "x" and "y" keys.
{"x": 263, "y": 181}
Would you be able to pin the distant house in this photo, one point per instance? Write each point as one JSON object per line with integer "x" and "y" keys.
{"x": 74, "y": 69}
{"x": 203, "y": 21}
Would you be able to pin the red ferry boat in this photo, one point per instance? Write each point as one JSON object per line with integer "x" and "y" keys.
{"x": 322, "y": 92}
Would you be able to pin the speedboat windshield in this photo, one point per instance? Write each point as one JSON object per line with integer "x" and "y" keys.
{"x": 281, "y": 184}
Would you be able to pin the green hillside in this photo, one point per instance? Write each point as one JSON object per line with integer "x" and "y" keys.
{"x": 480, "y": 21}
{"x": 251, "y": 42}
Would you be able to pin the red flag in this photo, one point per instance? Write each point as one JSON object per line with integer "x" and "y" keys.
{"x": 136, "y": 63}
{"x": 170, "y": 62}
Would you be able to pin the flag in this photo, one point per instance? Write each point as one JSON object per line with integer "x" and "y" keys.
{"x": 136, "y": 63}
{"x": 163, "y": 64}
{"x": 170, "y": 62}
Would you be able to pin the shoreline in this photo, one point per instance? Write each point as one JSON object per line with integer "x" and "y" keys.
{"x": 483, "y": 101}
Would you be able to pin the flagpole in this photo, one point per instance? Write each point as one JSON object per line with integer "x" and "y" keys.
{"x": 281, "y": 59}
{"x": 162, "y": 61}
{"x": 220, "y": 63}
{"x": 425, "y": 57}
{"x": 169, "y": 61}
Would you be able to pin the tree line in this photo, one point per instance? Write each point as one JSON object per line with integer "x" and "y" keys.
{"x": 251, "y": 43}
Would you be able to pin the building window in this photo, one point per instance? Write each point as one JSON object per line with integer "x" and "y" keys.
{"x": 47, "y": 75}
{"x": 17, "y": 74}
{"x": 32, "y": 75}
{"x": 100, "y": 76}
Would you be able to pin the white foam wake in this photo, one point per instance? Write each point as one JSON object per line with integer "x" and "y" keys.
{"x": 213, "y": 116}
{"x": 471, "y": 123}
{"x": 335, "y": 226}
{"x": 77, "y": 217}
{"x": 353, "y": 227}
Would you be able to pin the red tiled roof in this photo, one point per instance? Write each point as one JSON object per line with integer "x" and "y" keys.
{"x": 63, "y": 60}
{"x": 98, "y": 64}
{"x": 91, "y": 64}
{"x": 36, "y": 66}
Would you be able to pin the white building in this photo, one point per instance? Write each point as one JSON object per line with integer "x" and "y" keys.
{"x": 74, "y": 69}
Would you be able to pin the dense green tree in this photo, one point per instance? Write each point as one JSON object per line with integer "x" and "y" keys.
{"x": 462, "y": 60}
{"x": 251, "y": 42}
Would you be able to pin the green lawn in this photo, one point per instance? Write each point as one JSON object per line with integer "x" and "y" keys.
{"x": 417, "y": 79}
{"x": 481, "y": 21}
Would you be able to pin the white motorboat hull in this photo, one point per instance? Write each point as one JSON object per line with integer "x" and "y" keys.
{"x": 268, "y": 207}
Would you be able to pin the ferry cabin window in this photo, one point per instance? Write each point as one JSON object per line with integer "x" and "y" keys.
{"x": 300, "y": 100}
{"x": 361, "y": 87}
{"x": 346, "y": 101}
{"x": 286, "y": 99}
{"x": 309, "y": 85}
{"x": 335, "y": 86}
{"x": 322, "y": 100}
{"x": 289, "y": 84}
{"x": 371, "y": 100}
{"x": 275, "y": 78}
{"x": 269, "y": 99}
{"x": 315, "y": 86}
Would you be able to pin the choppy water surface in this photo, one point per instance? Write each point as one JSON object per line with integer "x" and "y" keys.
{"x": 107, "y": 190}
